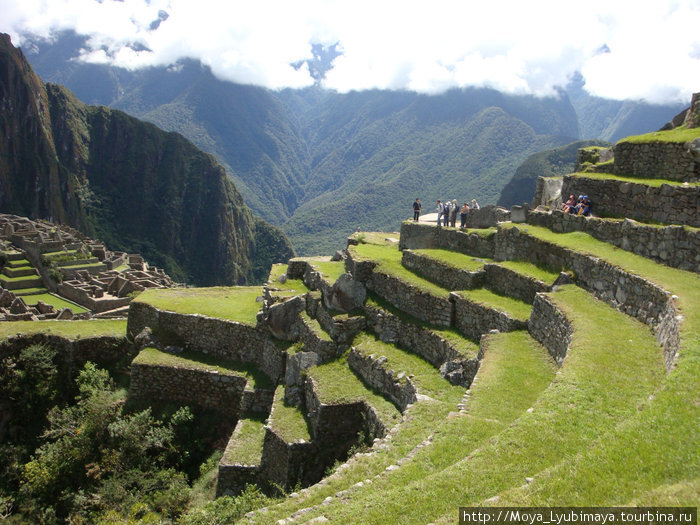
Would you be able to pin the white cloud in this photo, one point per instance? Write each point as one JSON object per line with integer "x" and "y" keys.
{"x": 511, "y": 45}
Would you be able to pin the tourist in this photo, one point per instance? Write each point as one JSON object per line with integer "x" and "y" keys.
{"x": 568, "y": 206}
{"x": 585, "y": 207}
{"x": 463, "y": 215}
{"x": 453, "y": 212}
{"x": 440, "y": 211}
{"x": 416, "y": 210}
{"x": 475, "y": 205}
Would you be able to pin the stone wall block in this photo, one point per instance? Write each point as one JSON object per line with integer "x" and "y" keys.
{"x": 473, "y": 319}
{"x": 550, "y": 327}
{"x": 513, "y": 284}
{"x": 376, "y": 373}
{"x": 442, "y": 274}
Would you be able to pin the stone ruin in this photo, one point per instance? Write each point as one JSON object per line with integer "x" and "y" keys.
{"x": 90, "y": 277}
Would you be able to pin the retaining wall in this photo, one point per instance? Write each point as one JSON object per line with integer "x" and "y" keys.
{"x": 441, "y": 273}
{"x": 549, "y": 326}
{"x": 627, "y": 292}
{"x": 659, "y": 160}
{"x": 228, "y": 339}
{"x": 420, "y": 236}
{"x": 615, "y": 198}
{"x": 513, "y": 284}
{"x": 220, "y": 392}
{"x": 455, "y": 367}
{"x": 675, "y": 246}
{"x": 473, "y": 319}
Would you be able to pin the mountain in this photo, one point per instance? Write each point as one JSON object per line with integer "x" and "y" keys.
{"x": 548, "y": 163}
{"x": 124, "y": 181}
{"x": 319, "y": 164}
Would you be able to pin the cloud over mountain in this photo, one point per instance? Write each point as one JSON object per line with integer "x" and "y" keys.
{"x": 652, "y": 49}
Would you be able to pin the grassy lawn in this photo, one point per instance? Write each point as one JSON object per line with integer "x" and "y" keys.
{"x": 236, "y": 303}
{"x": 330, "y": 270}
{"x": 426, "y": 377}
{"x": 29, "y": 291}
{"x": 388, "y": 259}
{"x": 19, "y": 263}
{"x": 206, "y": 363}
{"x": 674, "y": 135}
{"x": 514, "y": 372}
{"x": 246, "y": 443}
{"x": 289, "y": 287}
{"x": 288, "y": 421}
{"x": 379, "y": 238}
{"x": 68, "y": 329}
{"x": 28, "y": 278}
{"x": 338, "y": 385}
{"x": 614, "y": 364}
{"x": 56, "y": 301}
{"x": 513, "y": 307}
{"x": 530, "y": 270}
{"x": 654, "y": 183}
{"x": 456, "y": 259}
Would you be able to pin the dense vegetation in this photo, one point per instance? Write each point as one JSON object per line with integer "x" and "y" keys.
{"x": 72, "y": 449}
{"x": 128, "y": 183}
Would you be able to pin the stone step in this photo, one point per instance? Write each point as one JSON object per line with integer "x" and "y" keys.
{"x": 240, "y": 464}
{"x": 19, "y": 261}
{"x": 451, "y": 270}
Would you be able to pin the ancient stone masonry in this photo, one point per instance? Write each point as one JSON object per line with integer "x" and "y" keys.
{"x": 445, "y": 275}
{"x": 473, "y": 319}
{"x": 374, "y": 372}
{"x": 218, "y": 337}
{"x": 316, "y": 340}
{"x": 504, "y": 281}
{"x": 657, "y": 160}
{"x": 417, "y": 236}
{"x": 549, "y": 326}
{"x": 627, "y": 292}
{"x": 233, "y": 477}
{"x": 669, "y": 204}
{"x": 457, "y": 368}
{"x": 676, "y": 246}
{"x": 286, "y": 464}
{"x": 206, "y": 389}
{"x": 430, "y": 308}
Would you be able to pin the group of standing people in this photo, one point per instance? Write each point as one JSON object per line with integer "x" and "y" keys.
{"x": 447, "y": 212}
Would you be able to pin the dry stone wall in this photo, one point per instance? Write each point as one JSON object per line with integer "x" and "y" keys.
{"x": 549, "y": 326}
{"x": 212, "y": 390}
{"x": 627, "y": 292}
{"x": 417, "y": 236}
{"x": 473, "y": 319}
{"x": 666, "y": 204}
{"x": 513, "y": 284}
{"x": 418, "y": 303}
{"x": 445, "y": 275}
{"x": 228, "y": 339}
{"x": 375, "y": 372}
{"x": 675, "y": 246}
{"x": 286, "y": 464}
{"x": 454, "y": 366}
{"x": 658, "y": 160}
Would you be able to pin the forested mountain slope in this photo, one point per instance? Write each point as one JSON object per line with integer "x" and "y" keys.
{"x": 124, "y": 181}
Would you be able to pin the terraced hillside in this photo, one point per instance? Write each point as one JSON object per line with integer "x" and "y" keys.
{"x": 547, "y": 362}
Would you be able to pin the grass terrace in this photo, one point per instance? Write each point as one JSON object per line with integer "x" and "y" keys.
{"x": 654, "y": 183}
{"x": 425, "y": 376}
{"x": 237, "y": 303}
{"x": 83, "y": 329}
{"x": 54, "y": 300}
{"x": 288, "y": 421}
{"x": 530, "y": 270}
{"x": 614, "y": 364}
{"x": 30, "y": 291}
{"x": 246, "y": 443}
{"x": 513, "y": 307}
{"x": 388, "y": 259}
{"x": 464, "y": 346}
{"x": 330, "y": 270}
{"x": 679, "y": 134}
{"x": 456, "y": 259}
{"x": 206, "y": 363}
{"x": 315, "y": 327}
{"x": 290, "y": 287}
{"x": 17, "y": 263}
{"x": 380, "y": 238}
{"x": 336, "y": 384}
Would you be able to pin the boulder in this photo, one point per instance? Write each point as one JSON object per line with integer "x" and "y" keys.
{"x": 346, "y": 294}
{"x": 282, "y": 318}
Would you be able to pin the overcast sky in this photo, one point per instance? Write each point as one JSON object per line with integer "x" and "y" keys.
{"x": 625, "y": 49}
